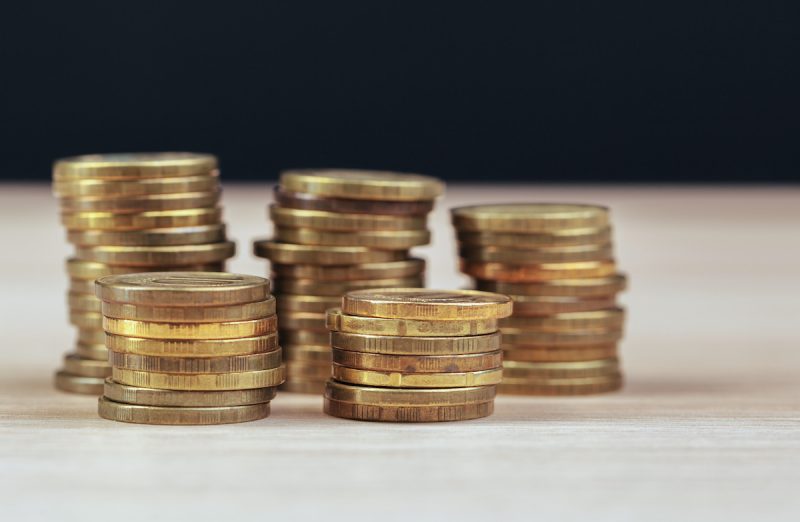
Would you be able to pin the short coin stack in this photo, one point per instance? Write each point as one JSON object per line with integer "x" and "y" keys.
{"x": 556, "y": 262}
{"x": 336, "y": 231}
{"x": 189, "y": 347}
{"x": 128, "y": 213}
{"x": 415, "y": 355}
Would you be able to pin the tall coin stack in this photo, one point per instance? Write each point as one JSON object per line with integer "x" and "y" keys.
{"x": 415, "y": 355}
{"x": 189, "y": 348}
{"x": 556, "y": 262}
{"x": 128, "y": 213}
{"x": 336, "y": 231}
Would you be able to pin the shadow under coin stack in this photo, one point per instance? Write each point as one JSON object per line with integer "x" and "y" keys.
{"x": 336, "y": 231}
{"x": 415, "y": 355}
{"x": 556, "y": 262}
{"x": 128, "y": 213}
{"x": 189, "y": 348}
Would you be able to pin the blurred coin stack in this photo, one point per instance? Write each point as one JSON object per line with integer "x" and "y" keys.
{"x": 336, "y": 231}
{"x": 556, "y": 262}
{"x": 189, "y": 348}
{"x": 128, "y": 213}
{"x": 415, "y": 355}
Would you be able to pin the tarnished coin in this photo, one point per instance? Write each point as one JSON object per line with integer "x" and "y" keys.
{"x": 336, "y": 221}
{"x": 369, "y": 412}
{"x": 377, "y": 239}
{"x": 528, "y": 241}
{"x": 529, "y": 217}
{"x": 193, "y": 314}
{"x": 362, "y": 184}
{"x": 583, "y": 386}
{"x": 235, "y": 363}
{"x": 117, "y": 392}
{"x": 229, "y": 330}
{"x": 206, "y": 381}
{"x": 340, "y": 322}
{"x": 101, "y": 188}
{"x": 390, "y": 269}
{"x": 344, "y": 392}
{"x": 134, "y": 204}
{"x": 418, "y": 363}
{"x": 137, "y": 414}
{"x": 288, "y": 253}
{"x": 514, "y": 337}
{"x": 538, "y": 306}
{"x": 77, "y": 365}
{"x": 78, "y": 384}
{"x": 303, "y": 201}
{"x": 585, "y": 287}
{"x": 98, "y": 352}
{"x": 416, "y": 380}
{"x": 192, "y": 348}
{"x": 141, "y": 220}
{"x": 424, "y": 346}
{"x": 560, "y": 353}
{"x": 307, "y": 303}
{"x": 86, "y": 319}
{"x": 157, "y": 256}
{"x": 150, "y": 237}
{"x": 430, "y": 304}
{"x": 538, "y": 273}
{"x": 304, "y": 338}
{"x": 130, "y": 166}
{"x": 84, "y": 303}
{"x": 307, "y": 353}
{"x": 304, "y": 321}
{"x": 533, "y": 371}
{"x": 560, "y": 254}
{"x": 89, "y": 270}
{"x": 337, "y": 288}
{"x": 610, "y": 319}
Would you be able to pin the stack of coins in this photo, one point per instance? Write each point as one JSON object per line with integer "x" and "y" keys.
{"x": 415, "y": 355}
{"x": 189, "y": 347}
{"x": 556, "y": 262}
{"x": 128, "y": 213}
{"x": 336, "y": 231}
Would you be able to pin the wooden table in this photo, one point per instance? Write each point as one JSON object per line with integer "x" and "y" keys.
{"x": 707, "y": 428}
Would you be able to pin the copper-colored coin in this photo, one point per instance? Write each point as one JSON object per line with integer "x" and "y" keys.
{"x": 307, "y": 387}
{"x": 185, "y": 399}
{"x": 514, "y": 338}
{"x": 609, "y": 319}
{"x": 134, "y": 204}
{"x": 77, "y": 365}
{"x": 100, "y": 188}
{"x": 335, "y": 221}
{"x": 337, "y": 288}
{"x": 520, "y": 240}
{"x": 157, "y": 256}
{"x": 304, "y": 321}
{"x": 307, "y": 303}
{"x": 98, "y": 352}
{"x": 424, "y": 303}
{"x": 137, "y": 414}
{"x": 84, "y": 303}
{"x": 362, "y": 184}
{"x": 89, "y": 270}
{"x": 198, "y": 235}
{"x": 187, "y": 331}
{"x": 390, "y": 269}
{"x": 340, "y": 322}
{"x": 141, "y": 220}
{"x": 584, "y": 386}
{"x": 418, "y": 346}
{"x": 377, "y": 239}
{"x": 534, "y": 371}
{"x": 307, "y": 353}
{"x": 529, "y": 217}
{"x": 370, "y": 412}
{"x": 193, "y": 314}
{"x": 416, "y": 380}
{"x": 235, "y": 363}
{"x": 133, "y": 166}
{"x": 539, "y": 306}
{"x": 585, "y": 287}
{"x": 192, "y": 348}
{"x": 304, "y": 201}
{"x": 304, "y": 338}
{"x": 560, "y": 254}
{"x": 538, "y": 273}
{"x": 78, "y": 384}
{"x": 288, "y": 253}
{"x": 418, "y": 363}
{"x": 560, "y": 353}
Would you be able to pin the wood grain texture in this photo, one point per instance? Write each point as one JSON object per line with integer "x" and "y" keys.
{"x": 707, "y": 428}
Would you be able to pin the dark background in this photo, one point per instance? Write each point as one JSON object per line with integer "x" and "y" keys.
{"x": 482, "y": 91}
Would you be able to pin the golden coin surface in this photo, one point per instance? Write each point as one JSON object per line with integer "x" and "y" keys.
{"x": 185, "y": 399}
{"x": 89, "y": 270}
{"x": 305, "y": 337}
{"x": 86, "y": 319}
{"x": 344, "y": 392}
{"x": 528, "y": 241}
{"x": 514, "y": 337}
{"x": 193, "y": 314}
{"x": 235, "y": 363}
{"x": 288, "y": 253}
{"x": 303, "y": 201}
{"x": 560, "y": 370}
{"x": 377, "y": 239}
{"x": 429, "y": 304}
{"x": 584, "y": 386}
{"x": 529, "y": 217}
{"x": 84, "y": 303}
{"x": 307, "y": 371}
{"x": 425, "y": 346}
{"x": 78, "y": 384}
{"x": 76, "y": 365}
{"x": 337, "y": 288}
{"x": 186, "y": 331}
{"x": 560, "y": 353}
{"x": 314, "y": 322}
{"x": 100, "y": 188}
{"x": 91, "y": 336}
{"x": 370, "y": 412}
{"x": 141, "y": 220}
{"x": 565, "y": 254}
{"x": 136, "y": 165}
{"x": 390, "y": 269}
{"x": 202, "y": 381}
{"x": 307, "y": 303}
{"x": 183, "y": 289}
{"x": 144, "y": 256}
{"x": 586, "y": 287}
{"x": 418, "y": 363}
{"x": 537, "y": 273}
{"x": 138, "y": 414}
{"x": 538, "y": 306}
{"x": 610, "y": 319}
{"x": 362, "y": 184}
{"x": 151, "y": 237}
{"x": 307, "y": 353}
{"x": 340, "y": 322}
{"x": 134, "y": 204}
{"x": 307, "y": 387}
{"x": 98, "y": 352}
{"x": 321, "y": 220}
{"x": 192, "y": 348}
{"x": 416, "y": 380}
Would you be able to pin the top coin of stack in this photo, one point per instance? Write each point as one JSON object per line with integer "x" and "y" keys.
{"x": 129, "y": 213}
{"x": 556, "y": 262}
{"x": 336, "y": 231}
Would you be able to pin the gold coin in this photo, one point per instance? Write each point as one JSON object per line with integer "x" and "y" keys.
{"x": 533, "y": 371}
{"x": 76, "y": 365}
{"x": 362, "y": 184}
{"x": 538, "y": 306}
{"x": 235, "y": 363}
{"x": 378, "y": 239}
{"x": 583, "y": 386}
{"x": 514, "y": 338}
{"x": 560, "y": 353}
{"x": 538, "y": 273}
{"x": 561, "y": 254}
{"x": 183, "y": 289}
{"x": 418, "y": 363}
{"x": 137, "y": 414}
{"x": 351, "y": 206}
{"x": 141, "y": 220}
{"x": 422, "y": 303}
{"x": 86, "y": 319}
{"x": 98, "y": 352}
{"x": 400, "y": 345}
{"x": 89, "y": 270}
{"x": 186, "y": 331}
{"x": 143, "y": 256}
{"x": 307, "y": 387}
{"x": 135, "y": 204}
{"x": 307, "y": 371}
{"x": 287, "y": 254}
{"x": 585, "y": 287}
{"x": 307, "y": 353}
{"x": 529, "y": 217}
{"x": 192, "y": 348}
{"x": 610, "y": 319}
{"x": 100, "y": 188}
{"x": 117, "y": 392}
{"x": 307, "y": 303}
{"x": 564, "y": 237}
{"x": 303, "y": 321}
{"x": 337, "y": 288}
{"x": 84, "y": 303}
{"x": 417, "y": 380}
{"x": 91, "y": 336}
{"x": 321, "y": 220}
{"x": 304, "y": 338}
{"x": 365, "y": 395}
{"x": 369, "y": 412}
{"x": 151, "y": 237}
{"x": 81, "y": 286}
{"x": 391, "y": 269}
{"x": 340, "y": 322}
{"x": 140, "y": 165}
{"x": 78, "y": 384}
{"x": 194, "y": 314}
{"x": 203, "y": 381}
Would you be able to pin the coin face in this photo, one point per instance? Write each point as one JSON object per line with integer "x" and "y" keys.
{"x": 134, "y": 165}
{"x": 421, "y": 303}
{"x": 529, "y": 217}
{"x": 362, "y": 184}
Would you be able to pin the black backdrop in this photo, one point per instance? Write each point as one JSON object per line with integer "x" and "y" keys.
{"x": 482, "y": 91}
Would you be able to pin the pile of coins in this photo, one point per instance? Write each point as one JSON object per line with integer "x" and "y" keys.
{"x": 336, "y": 231}
{"x": 189, "y": 348}
{"x": 128, "y": 213}
{"x": 556, "y": 262}
{"x": 415, "y": 355}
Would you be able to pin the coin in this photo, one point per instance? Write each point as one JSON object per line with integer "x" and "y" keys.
{"x": 514, "y": 337}
{"x": 307, "y": 303}
{"x": 344, "y": 392}
{"x": 298, "y": 386}
{"x": 390, "y": 269}
{"x": 203, "y": 381}
{"x": 362, "y": 184}
{"x": 303, "y": 321}
{"x": 144, "y": 256}
{"x": 563, "y": 237}
{"x": 585, "y": 287}
{"x": 76, "y": 365}
{"x": 128, "y": 205}
{"x": 117, "y": 392}
{"x": 134, "y": 165}
{"x": 204, "y": 331}
{"x": 141, "y": 220}
{"x": 91, "y": 336}
{"x": 337, "y": 288}
{"x": 303, "y": 201}
{"x": 321, "y": 220}
{"x": 560, "y": 353}
{"x": 236, "y": 363}
{"x": 610, "y": 319}
{"x": 538, "y": 306}
{"x": 378, "y": 239}
{"x": 304, "y": 337}
{"x": 98, "y": 352}
{"x": 400, "y": 345}
{"x": 150, "y": 237}
{"x": 194, "y": 314}
{"x": 538, "y": 273}
{"x": 369, "y": 412}
{"x": 307, "y": 371}
{"x": 192, "y": 348}
{"x": 100, "y": 188}
{"x": 78, "y": 384}
{"x": 422, "y": 303}
{"x": 581, "y": 386}
{"x": 183, "y": 289}
{"x": 84, "y": 303}
{"x": 89, "y": 270}
{"x": 86, "y": 319}
{"x": 137, "y": 414}
{"x": 287, "y": 253}
{"x": 81, "y": 286}
{"x": 307, "y": 353}
{"x": 408, "y": 364}
{"x": 416, "y": 380}
{"x": 560, "y": 254}
{"x": 533, "y": 371}
{"x": 529, "y": 217}
{"x": 340, "y": 322}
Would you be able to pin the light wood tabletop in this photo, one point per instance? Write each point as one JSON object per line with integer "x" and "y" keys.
{"x": 707, "y": 427}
